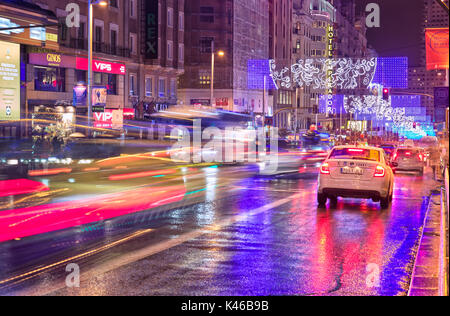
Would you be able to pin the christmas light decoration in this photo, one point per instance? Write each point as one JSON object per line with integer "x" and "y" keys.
{"x": 323, "y": 73}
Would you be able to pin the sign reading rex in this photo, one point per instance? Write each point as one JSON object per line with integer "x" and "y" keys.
{"x": 151, "y": 29}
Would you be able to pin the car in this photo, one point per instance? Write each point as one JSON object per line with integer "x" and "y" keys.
{"x": 356, "y": 172}
{"x": 388, "y": 149}
{"x": 408, "y": 159}
{"x": 293, "y": 159}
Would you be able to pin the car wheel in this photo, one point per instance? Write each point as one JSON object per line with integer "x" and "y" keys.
{"x": 321, "y": 199}
{"x": 333, "y": 201}
{"x": 384, "y": 202}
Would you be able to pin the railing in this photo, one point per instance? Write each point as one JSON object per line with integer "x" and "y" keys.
{"x": 97, "y": 47}
{"x": 443, "y": 248}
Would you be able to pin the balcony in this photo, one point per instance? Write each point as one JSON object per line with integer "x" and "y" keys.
{"x": 97, "y": 47}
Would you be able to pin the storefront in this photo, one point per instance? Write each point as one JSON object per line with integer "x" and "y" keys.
{"x": 13, "y": 59}
{"x": 65, "y": 77}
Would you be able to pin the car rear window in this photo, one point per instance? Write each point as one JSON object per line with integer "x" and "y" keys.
{"x": 407, "y": 152}
{"x": 355, "y": 153}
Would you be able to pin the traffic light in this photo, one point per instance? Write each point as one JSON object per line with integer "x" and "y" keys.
{"x": 386, "y": 94}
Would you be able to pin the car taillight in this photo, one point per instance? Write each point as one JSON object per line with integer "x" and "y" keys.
{"x": 325, "y": 168}
{"x": 395, "y": 157}
{"x": 379, "y": 172}
{"x": 420, "y": 157}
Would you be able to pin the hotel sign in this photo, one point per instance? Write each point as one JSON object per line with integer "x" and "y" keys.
{"x": 151, "y": 29}
{"x": 330, "y": 39}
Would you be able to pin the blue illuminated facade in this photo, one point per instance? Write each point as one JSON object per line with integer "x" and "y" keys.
{"x": 392, "y": 72}
{"x": 257, "y": 70}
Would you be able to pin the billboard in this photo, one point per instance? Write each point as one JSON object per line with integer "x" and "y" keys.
{"x": 9, "y": 81}
{"x": 436, "y": 42}
{"x": 99, "y": 94}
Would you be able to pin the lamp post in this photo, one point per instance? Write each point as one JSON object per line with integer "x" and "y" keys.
{"x": 103, "y": 3}
{"x": 213, "y": 53}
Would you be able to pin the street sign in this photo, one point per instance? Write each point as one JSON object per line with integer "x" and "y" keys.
{"x": 98, "y": 108}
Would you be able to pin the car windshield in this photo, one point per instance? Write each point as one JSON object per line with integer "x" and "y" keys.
{"x": 355, "y": 153}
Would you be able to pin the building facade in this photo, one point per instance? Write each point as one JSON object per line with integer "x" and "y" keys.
{"x": 236, "y": 28}
{"x": 280, "y": 50}
{"x": 138, "y": 82}
{"x": 324, "y": 29}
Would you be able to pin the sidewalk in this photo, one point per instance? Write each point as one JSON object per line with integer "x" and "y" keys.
{"x": 426, "y": 274}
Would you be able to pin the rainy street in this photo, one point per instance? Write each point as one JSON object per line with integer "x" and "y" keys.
{"x": 231, "y": 233}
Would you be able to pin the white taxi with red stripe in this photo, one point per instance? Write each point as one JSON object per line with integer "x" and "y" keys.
{"x": 356, "y": 172}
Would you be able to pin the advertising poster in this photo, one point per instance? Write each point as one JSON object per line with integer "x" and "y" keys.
{"x": 79, "y": 95}
{"x": 99, "y": 94}
{"x": 437, "y": 48}
{"x": 9, "y": 81}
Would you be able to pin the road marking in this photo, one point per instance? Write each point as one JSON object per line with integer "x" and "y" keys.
{"x": 160, "y": 247}
{"x": 88, "y": 253}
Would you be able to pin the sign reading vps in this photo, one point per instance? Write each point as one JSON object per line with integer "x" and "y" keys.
{"x": 151, "y": 29}
{"x": 9, "y": 81}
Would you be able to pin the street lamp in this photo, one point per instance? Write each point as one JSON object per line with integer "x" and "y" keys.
{"x": 102, "y": 3}
{"x": 221, "y": 54}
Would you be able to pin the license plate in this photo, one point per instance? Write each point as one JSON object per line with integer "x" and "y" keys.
{"x": 356, "y": 171}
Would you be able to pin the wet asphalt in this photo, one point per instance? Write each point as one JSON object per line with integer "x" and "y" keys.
{"x": 233, "y": 233}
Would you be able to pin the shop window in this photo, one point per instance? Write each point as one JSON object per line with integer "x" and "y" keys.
{"x": 81, "y": 76}
{"x": 97, "y": 78}
{"x": 50, "y": 79}
{"x": 112, "y": 84}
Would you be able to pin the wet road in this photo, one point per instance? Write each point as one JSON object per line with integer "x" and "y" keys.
{"x": 217, "y": 231}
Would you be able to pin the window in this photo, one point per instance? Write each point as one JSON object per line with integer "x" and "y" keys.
{"x": 181, "y": 21}
{"x": 51, "y": 79}
{"x": 98, "y": 78}
{"x": 81, "y": 30}
{"x": 204, "y": 78}
{"x": 170, "y": 50}
{"x": 113, "y": 41}
{"x": 80, "y": 76}
{"x": 112, "y": 84}
{"x": 148, "y": 87}
{"x": 173, "y": 88}
{"x": 170, "y": 17}
{"x": 133, "y": 84}
{"x": 98, "y": 37}
{"x": 162, "y": 88}
{"x": 132, "y": 8}
{"x": 133, "y": 43}
{"x": 207, "y": 14}
{"x": 180, "y": 52}
{"x": 205, "y": 44}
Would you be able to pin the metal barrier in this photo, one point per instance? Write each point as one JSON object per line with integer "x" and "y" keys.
{"x": 443, "y": 249}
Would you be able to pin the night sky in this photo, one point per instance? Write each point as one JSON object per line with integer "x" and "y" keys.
{"x": 400, "y": 31}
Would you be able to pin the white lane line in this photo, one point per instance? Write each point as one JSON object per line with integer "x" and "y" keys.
{"x": 154, "y": 249}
